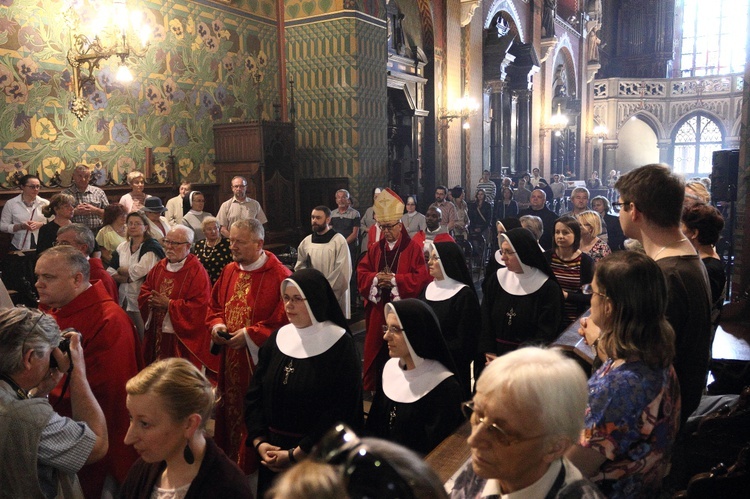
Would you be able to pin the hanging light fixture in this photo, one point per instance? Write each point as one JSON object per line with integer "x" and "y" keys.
{"x": 109, "y": 32}
{"x": 558, "y": 122}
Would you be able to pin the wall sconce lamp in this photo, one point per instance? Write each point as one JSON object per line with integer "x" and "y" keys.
{"x": 558, "y": 122}
{"x": 462, "y": 109}
{"x": 108, "y": 33}
{"x": 600, "y": 132}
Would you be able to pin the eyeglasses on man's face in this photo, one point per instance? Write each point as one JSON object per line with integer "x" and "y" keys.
{"x": 388, "y": 227}
{"x": 169, "y": 242}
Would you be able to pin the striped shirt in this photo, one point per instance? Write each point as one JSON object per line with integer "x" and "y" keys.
{"x": 568, "y": 273}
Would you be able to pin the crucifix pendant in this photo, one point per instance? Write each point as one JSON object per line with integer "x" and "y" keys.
{"x": 510, "y": 315}
{"x": 287, "y": 371}
{"x": 392, "y": 417}
{"x": 387, "y": 269}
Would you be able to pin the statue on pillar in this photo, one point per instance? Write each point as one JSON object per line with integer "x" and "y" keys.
{"x": 548, "y": 18}
{"x": 593, "y": 40}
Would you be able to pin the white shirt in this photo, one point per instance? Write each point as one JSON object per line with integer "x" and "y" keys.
{"x": 15, "y": 212}
{"x": 137, "y": 271}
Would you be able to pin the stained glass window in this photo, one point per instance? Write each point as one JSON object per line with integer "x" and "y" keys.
{"x": 694, "y": 143}
{"x": 713, "y": 37}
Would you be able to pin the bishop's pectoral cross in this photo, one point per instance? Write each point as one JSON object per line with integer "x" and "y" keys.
{"x": 287, "y": 371}
{"x": 510, "y": 315}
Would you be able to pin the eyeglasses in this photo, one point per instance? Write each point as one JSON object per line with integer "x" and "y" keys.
{"x": 507, "y": 252}
{"x": 294, "y": 300}
{"x": 62, "y": 243}
{"x": 588, "y": 289}
{"x": 618, "y": 205}
{"x": 433, "y": 258}
{"x": 168, "y": 242}
{"x": 496, "y": 431}
{"x": 388, "y": 227}
{"x": 36, "y": 187}
{"x": 366, "y": 474}
{"x": 392, "y": 329}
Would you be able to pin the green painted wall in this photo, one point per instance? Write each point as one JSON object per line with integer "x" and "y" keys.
{"x": 196, "y": 72}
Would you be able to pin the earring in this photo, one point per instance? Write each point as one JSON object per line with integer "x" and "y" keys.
{"x": 188, "y": 454}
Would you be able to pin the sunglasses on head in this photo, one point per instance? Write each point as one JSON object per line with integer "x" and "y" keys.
{"x": 367, "y": 475}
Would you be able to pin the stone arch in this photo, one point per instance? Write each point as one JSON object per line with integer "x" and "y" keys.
{"x": 510, "y": 10}
{"x": 428, "y": 27}
{"x": 695, "y": 112}
{"x": 651, "y": 120}
{"x": 736, "y": 127}
{"x": 564, "y": 54}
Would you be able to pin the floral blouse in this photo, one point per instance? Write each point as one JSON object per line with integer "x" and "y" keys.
{"x": 632, "y": 418}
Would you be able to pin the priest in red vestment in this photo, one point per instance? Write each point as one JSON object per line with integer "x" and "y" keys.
{"x": 392, "y": 269}
{"x": 110, "y": 345}
{"x": 245, "y": 303}
{"x": 173, "y": 302}
{"x": 79, "y": 236}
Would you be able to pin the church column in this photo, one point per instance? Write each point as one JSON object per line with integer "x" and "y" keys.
{"x": 665, "y": 146}
{"x": 523, "y": 127}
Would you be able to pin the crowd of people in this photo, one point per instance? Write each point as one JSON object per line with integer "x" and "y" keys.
{"x": 154, "y": 320}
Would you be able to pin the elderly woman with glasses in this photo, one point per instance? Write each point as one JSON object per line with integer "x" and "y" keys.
{"x": 527, "y": 411}
{"x": 633, "y": 411}
{"x": 418, "y": 402}
{"x": 523, "y": 302}
{"x": 308, "y": 377}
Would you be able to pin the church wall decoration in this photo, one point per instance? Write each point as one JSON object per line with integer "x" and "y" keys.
{"x": 196, "y": 72}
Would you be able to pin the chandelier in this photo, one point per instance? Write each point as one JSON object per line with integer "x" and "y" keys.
{"x": 98, "y": 31}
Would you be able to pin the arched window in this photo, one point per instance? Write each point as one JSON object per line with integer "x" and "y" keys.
{"x": 713, "y": 37}
{"x": 694, "y": 143}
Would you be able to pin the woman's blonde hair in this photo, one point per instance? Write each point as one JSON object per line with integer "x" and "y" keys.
{"x": 593, "y": 219}
{"x": 700, "y": 190}
{"x": 309, "y": 479}
{"x": 134, "y": 175}
{"x": 182, "y": 387}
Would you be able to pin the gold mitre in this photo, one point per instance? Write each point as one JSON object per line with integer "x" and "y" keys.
{"x": 388, "y": 207}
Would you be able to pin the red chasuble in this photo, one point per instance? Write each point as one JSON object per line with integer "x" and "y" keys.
{"x": 189, "y": 291}
{"x": 411, "y": 278}
{"x": 420, "y": 237}
{"x": 97, "y": 272}
{"x": 249, "y": 299}
{"x": 111, "y": 351}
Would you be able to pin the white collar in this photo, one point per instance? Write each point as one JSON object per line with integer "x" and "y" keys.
{"x": 540, "y": 488}
{"x": 411, "y": 214}
{"x": 410, "y": 386}
{"x": 443, "y": 289}
{"x": 309, "y": 341}
{"x": 196, "y": 213}
{"x": 521, "y": 284}
{"x": 499, "y": 257}
{"x": 176, "y": 267}
{"x": 256, "y": 264}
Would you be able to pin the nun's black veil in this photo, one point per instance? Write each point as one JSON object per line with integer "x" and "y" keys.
{"x": 510, "y": 223}
{"x": 320, "y": 296}
{"x": 423, "y": 331}
{"x": 528, "y": 250}
{"x": 454, "y": 263}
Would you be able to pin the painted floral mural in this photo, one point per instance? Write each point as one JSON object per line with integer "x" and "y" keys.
{"x": 202, "y": 68}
